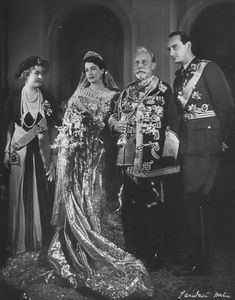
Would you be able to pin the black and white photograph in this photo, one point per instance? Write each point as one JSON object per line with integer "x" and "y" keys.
{"x": 117, "y": 149}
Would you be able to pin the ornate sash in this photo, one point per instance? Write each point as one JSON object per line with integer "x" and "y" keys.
{"x": 186, "y": 92}
{"x": 41, "y": 126}
{"x": 150, "y": 137}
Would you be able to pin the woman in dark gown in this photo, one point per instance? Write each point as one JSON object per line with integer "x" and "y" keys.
{"x": 27, "y": 155}
{"x": 81, "y": 250}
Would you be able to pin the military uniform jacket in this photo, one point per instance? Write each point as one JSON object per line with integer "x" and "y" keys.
{"x": 207, "y": 116}
{"x": 148, "y": 110}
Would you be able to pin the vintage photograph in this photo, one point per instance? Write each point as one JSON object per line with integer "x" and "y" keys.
{"x": 117, "y": 149}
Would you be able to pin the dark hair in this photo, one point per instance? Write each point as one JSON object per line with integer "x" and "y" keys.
{"x": 184, "y": 37}
{"x": 29, "y": 63}
{"x": 25, "y": 74}
{"x": 95, "y": 60}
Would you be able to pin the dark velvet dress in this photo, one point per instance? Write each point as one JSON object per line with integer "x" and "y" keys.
{"x": 29, "y": 204}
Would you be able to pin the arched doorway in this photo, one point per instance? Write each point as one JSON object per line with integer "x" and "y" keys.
{"x": 213, "y": 38}
{"x": 88, "y": 27}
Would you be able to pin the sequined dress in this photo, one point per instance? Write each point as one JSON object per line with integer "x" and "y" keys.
{"x": 81, "y": 251}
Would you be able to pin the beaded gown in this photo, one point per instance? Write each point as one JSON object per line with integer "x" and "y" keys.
{"x": 82, "y": 250}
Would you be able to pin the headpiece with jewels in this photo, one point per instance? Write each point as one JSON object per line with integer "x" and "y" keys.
{"x": 92, "y": 54}
{"x": 98, "y": 60}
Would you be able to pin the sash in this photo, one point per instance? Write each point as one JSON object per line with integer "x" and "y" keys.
{"x": 185, "y": 94}
{"x": 150, "y": 160}
{"x": 125, "y": 141}
{"x": 41, "y": 126}
{"x": 127, "y": 116}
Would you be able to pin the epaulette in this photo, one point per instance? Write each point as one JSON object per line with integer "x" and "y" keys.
{"x": 204, "y": 60}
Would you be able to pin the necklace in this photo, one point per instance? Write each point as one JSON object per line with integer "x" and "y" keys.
{"x": 98, "y": 90}
{"x": 25, "y": 108}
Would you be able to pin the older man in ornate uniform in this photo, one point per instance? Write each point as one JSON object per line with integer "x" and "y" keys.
{"x": 145, "y": 124}
{"x": 205, "y": 104}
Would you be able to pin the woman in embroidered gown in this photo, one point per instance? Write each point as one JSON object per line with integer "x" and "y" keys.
{"x": 79, "y": 251}
{"x": 27, "y": 155}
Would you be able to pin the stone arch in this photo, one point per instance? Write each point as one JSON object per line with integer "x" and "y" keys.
{"x": 214, "y": 39}
{"x": 194, "y": 10}
{"x": 62, "y": 13}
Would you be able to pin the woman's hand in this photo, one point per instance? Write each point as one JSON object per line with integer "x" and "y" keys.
{"x": 50, "y": 173}
{"x": 6, "y": 159}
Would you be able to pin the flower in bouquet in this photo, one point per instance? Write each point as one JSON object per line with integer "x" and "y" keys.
{"x": 71, "y": 133}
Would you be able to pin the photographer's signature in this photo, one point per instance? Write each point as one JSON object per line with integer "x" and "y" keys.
{"x": 203, "y": 295}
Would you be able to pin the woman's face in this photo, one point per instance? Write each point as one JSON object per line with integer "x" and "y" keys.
{"x": 93, "y": 72}
{"x": 35, "y": 78}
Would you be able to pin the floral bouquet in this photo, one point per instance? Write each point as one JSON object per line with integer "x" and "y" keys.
{"x": 71, "y": 132}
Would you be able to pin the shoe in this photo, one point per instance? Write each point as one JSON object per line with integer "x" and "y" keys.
{"x": 43, "y": 257}
{"x": 192, "y": 271}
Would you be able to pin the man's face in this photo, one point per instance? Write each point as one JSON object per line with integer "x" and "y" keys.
{"x": 177, "y": 50}
{"x": 143, "y": 66}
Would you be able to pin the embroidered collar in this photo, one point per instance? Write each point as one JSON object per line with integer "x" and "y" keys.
{"x": 191, "y": 67}
{"x": 144, "y": 83}
{"x": 187, "y": 65}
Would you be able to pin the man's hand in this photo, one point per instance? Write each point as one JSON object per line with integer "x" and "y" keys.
{"x": 120, "y": 126}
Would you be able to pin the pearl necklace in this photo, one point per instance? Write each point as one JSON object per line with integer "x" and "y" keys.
{"x": 25, "y": 108}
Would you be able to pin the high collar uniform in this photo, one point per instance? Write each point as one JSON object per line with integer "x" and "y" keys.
{"x": 148, "y": 108}
{"x": 205, "y": 121}
{"x": 211, "y": 93}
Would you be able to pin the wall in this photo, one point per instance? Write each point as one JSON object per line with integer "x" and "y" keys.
{"x": 3, "y": 52}
{"x": 24, "y": 33}
{"x": 31, "y": 22}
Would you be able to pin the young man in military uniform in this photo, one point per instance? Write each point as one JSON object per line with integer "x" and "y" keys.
{"x": 205, "y": 105}
{"x": 144, "y": 111}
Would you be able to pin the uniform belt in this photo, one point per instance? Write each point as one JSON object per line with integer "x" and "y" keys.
{"x": 206, "y": 114}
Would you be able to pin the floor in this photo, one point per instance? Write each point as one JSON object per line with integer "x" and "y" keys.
{"x": 219, "y": 284}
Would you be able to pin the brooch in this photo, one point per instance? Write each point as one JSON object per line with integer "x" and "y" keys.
{"x": 196, "y": 95}
{"x": 47, "y": 107}
{"x": 162, "y": 87}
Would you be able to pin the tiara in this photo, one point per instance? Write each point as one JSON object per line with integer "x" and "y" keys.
{"x": 92, "y": 54}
